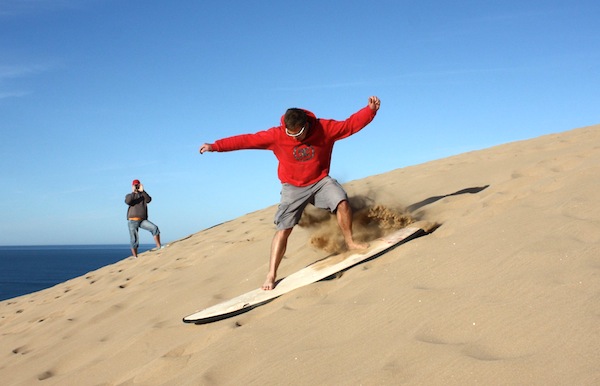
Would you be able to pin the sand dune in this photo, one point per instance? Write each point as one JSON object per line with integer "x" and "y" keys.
{"x": 505, "y": 292}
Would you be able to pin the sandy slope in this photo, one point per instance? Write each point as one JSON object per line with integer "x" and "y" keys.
{"x": 505, "y": 291}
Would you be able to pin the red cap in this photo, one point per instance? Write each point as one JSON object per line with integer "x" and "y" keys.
{"x": 135, "y": 182}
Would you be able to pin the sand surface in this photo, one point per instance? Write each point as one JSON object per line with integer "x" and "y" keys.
{"x": 506, "y": 291}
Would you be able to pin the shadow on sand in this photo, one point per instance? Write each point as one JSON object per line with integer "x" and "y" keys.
{"x": 431, "y": 200}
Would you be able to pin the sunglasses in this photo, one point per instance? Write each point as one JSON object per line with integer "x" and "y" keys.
{"x": 295, "y": 134}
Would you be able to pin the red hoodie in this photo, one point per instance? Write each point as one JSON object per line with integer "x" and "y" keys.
{"x": 301, "y": 163}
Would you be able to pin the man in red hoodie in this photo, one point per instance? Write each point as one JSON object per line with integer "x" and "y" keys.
{"x": 303, "y": 145}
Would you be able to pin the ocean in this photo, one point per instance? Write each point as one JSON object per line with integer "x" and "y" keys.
{"x": 27, "y": 269}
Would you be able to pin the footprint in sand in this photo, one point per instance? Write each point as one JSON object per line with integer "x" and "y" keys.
{"x": 91, "y": 279}
{"x": 45, "y": 375}
{"x": 431, "y": 339}
{"x": 483, "y": 353}
{"x": 21, "y": 350}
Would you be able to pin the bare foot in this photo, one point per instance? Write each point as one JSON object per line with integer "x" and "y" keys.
{"x": 269, "y": 283}
{"x": 355, "y": 245}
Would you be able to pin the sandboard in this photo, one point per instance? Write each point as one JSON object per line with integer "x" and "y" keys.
{"x": 310, "y": 274}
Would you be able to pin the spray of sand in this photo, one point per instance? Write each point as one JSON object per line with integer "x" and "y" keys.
{"x": 370, "y": 221}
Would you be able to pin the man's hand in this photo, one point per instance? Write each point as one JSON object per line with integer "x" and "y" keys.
{"x": 206, "y": 147}
{"x": 374, "y": 103}
{"x": 141, "y": 188}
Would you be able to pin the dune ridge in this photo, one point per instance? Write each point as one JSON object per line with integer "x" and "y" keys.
{"x": 505, "y": 291}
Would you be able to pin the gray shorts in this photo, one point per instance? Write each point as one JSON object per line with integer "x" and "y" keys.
{"x": 325, "y": 194}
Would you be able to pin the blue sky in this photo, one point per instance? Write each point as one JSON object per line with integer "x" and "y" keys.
{"x": 96, "y": 93}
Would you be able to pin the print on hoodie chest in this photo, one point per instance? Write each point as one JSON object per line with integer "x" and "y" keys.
{"x": 304, "y": 152}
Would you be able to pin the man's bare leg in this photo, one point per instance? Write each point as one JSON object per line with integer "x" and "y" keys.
{"x": 278, "y": 247}
{"x": 157, "y": 241}
{"x": 344, "y": 217}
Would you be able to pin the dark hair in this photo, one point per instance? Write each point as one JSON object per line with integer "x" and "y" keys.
{"x": 294, "y": 118}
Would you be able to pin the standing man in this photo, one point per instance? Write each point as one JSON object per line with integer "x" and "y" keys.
{"x": 303, "y": 145}
{"x": 137, "y": 216}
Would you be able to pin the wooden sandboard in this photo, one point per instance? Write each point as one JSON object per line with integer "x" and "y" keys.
{"x": 313, "y": 273}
